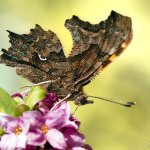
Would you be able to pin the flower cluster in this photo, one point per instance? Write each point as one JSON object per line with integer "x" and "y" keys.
{"x": 44, "y": 127}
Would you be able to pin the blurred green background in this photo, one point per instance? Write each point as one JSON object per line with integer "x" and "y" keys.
{"x": 106, "y": 126}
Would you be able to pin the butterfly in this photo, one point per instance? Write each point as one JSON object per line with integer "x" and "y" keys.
{"x": 39, "y": 56}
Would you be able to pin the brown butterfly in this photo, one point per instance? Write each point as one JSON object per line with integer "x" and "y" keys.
{"x": 39, "y": 56}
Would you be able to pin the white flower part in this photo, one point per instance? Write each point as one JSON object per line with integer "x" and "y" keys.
{"x": 21, "y": 142}
{"x": 8, "y": 142}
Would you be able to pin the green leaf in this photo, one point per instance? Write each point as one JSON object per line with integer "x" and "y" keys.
{"x": 7, "y": 104}
{"x": 20, "y": 109}
{"x": 36, "y": 94}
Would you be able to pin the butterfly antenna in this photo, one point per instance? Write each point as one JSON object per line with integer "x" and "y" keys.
{"x": 123, "y": 103}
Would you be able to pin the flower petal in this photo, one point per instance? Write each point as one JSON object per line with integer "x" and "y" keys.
{"x": 24, "y": 124}
{"x": 52, "y": 96}
{"x": 34, "y": 117}
{"x": 36, "y": 138}
{"x": 56, "y": 139}
{"x": 8, "y": 142}
{"x": 21, "y": 140}
{"x": 30, "y": 147}
{"x": 72, "y": 123}
{"x": 73, "y": 137}
{"x": 44, "y": 105}
{"x": 73, "y": 119}
{"x": 8, "y": 123}
{"x": 57, "y": 118}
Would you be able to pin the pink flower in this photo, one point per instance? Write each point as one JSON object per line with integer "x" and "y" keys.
{"x": 55, "y": 127}
{"x": 16, "y": 131}
{"x": 74, "y": 139}
{"x": 47, "y": 103}
{"x": 45, "y": 126}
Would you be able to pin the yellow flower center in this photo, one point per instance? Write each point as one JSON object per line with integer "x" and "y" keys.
{"x": 44, "y": 129}
{"x": 18, "y": 130}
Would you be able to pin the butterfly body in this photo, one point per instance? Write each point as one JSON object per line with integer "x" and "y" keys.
{"x": 39, "y": 56}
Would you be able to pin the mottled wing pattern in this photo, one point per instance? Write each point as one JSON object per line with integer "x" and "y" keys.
{"x": 37, "y": 56}
{"x": 95, "y": 46}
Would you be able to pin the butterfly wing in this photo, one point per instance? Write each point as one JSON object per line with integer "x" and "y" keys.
{"x": 95, "y": 46}
{"x": 37, "y": 56}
